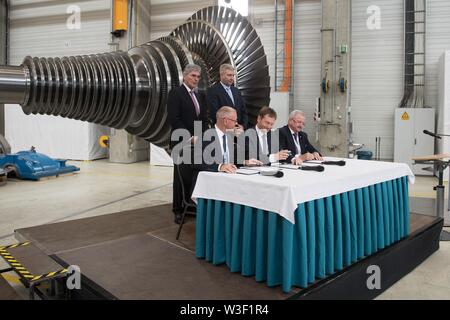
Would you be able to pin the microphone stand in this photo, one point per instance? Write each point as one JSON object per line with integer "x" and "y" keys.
{"x": 439, "y": 166}
{"x": 448, "y": 203}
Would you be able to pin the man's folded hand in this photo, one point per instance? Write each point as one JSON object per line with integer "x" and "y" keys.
{"x": 228, "y": 168}
{"x": 252, "y": 163}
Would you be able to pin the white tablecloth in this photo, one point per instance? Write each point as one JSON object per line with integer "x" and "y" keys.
{"x": 282, "y": 195}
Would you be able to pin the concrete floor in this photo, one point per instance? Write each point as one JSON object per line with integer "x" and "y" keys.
{"x": 102, "y": 187}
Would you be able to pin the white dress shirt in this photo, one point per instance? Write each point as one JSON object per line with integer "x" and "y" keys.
{"x": 261, "y": 137}
{"x": 220, "y": 134}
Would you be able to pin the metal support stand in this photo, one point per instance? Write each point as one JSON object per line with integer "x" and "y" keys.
{"x": 448, "y": 203}
{"x": 439, "y": 167}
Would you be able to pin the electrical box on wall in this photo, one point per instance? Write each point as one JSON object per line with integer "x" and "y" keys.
{"x": 409, "y": 140}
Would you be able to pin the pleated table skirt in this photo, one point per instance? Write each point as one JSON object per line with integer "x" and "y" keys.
{"x": 328, "y": 235}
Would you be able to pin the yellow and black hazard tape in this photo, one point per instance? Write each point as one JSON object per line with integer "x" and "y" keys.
{"x": 49, "y": 275}
{"x": 21, "y": 270}
{"x": 16, "y": 265}
{"x": 14, "y": 246}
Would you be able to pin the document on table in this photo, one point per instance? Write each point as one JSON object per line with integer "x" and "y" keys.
{"x": 246, "y": 171}
{"x": 256, "y": 169}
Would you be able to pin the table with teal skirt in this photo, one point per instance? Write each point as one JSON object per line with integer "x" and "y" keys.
{"x": 329, "y": 234}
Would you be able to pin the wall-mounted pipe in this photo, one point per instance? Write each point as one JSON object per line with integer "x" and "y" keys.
{"x": 288, "y": 41}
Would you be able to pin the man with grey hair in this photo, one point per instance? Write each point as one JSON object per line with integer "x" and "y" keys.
{"x": 185, "y": 107}
{"x": 219, "y": 151}
{"x": 224, "y": 93}
{"x": 294, "y": 139}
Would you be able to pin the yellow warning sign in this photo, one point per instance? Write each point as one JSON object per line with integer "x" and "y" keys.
{"x": 405, "y": 116}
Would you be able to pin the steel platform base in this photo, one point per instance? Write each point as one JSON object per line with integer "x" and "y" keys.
{"x": 134, "y": 255}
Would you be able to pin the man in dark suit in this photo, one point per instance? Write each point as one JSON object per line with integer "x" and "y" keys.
{"x": 261, "y": 142}
{"x": 224, "y": 93}
{"x": 294, "y": 139}
{"x": 187, "y": 115}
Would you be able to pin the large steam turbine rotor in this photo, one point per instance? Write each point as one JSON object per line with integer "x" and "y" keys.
{"x": 128, "y": 90}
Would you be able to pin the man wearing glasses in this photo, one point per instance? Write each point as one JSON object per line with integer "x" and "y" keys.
{"x": 294, "y": 139}
{"x": 219, "y": 151}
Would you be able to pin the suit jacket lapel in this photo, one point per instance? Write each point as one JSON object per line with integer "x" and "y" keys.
{"x": 234, "y": 96}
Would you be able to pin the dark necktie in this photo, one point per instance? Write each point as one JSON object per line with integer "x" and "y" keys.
{"x": 225, "y": 153}
{"x": 297, "y": 143}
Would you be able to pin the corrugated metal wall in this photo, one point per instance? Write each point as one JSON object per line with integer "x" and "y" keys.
{"x": 377, "y": 73}
{"x": 438, "y": 41}
{"x": 377, "y": 67}
{"x": 308, "y": 21}
{"x": 39, "y": 28}
{"x": 167, "y": 15}
{"x": 262, "y": 17}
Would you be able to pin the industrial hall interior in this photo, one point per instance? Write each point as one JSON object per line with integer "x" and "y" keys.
{"x": 224, "y": 150}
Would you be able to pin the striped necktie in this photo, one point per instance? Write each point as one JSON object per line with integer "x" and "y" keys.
{"x": 194, "y": 101}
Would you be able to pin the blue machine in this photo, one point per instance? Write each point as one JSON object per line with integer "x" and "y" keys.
{"x": 31, "y": 165}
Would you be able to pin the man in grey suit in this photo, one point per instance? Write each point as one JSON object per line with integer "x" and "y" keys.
{"x": 261, "y": 142}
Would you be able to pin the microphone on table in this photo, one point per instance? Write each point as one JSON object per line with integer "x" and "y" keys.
{"x": 431, "y": 134}
{"x": 312, "y": 168}
{"x": 340, "y": 163}
{"x": 276, "y": 174}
